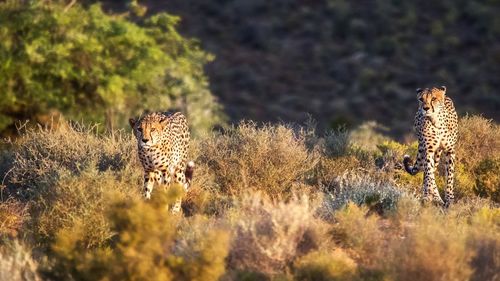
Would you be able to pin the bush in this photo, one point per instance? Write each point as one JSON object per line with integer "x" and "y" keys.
{"x": 324, "y": 266}
{"x": 42, "y": 155}
{"x": 476, "y": 175}
{"x": 434, "y": 248}
{"x": 368, "y": 135}
{"x": 203, "y": 245}
{"x": 488, "y": 179}
{"x": 479, "y": 136}
{"x": 359, "y": 231}
{"x": 272, "y": 159}
{"x": 58, "y": 61}
{"x": 483, "y": 241}
{"x": 79, "y": 207}
{"x": 79, "y": 199}
{"x": 143, "y": 247}
{"x": 270, "y": 236}
{"x": 131, "y": 255}
{"x": 361, "y": 189}
{"x": 12, "y": 216}
{"x": 65, "y": 173}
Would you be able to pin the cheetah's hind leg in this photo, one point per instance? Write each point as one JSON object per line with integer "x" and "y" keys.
{"x": 450, "y": 173}
{"x": 181, "y": 175}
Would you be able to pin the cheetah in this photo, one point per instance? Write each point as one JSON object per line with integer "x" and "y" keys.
{"x": 436, "y": 127}
{"x": 163, "y": 142}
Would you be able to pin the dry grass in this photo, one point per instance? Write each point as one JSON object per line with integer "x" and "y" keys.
{"x": 326, "y": 266}
{"x": 479, "y": 139}
{"x": 266, "y": 203}
{"x": 16, "y": 263}
{"x": 271, "y": 158}
{"x": 478, "y": 148}
{"x": 65, "y": 172}
{"x": 12, "y": 216}
{"x": 268, "y": 236}
{"x": 435, "y": 248}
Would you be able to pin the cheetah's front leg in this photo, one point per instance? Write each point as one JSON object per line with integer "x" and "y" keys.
{"x": 430, "y": 180}
{"x": 149, "y": 181}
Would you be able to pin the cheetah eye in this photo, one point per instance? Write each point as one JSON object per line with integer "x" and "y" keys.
{"x": 153, "y": 129}
{"x": 434, "y": 99}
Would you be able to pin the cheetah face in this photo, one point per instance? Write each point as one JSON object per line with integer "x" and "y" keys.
{"x": 431, "y": 101}
{"x": 147, "y": 132}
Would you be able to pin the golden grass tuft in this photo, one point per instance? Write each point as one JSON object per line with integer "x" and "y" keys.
{"x": 326, "y": 266}
{"x": 271, "y": 159}
{"x": 271, "y": 234}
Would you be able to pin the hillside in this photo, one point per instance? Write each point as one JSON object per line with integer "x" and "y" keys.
{"x": 343, "y": 61}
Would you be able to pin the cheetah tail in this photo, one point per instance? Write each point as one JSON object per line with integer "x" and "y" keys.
{"x": 189, "y": 172}
{"x": 412, "y": 170}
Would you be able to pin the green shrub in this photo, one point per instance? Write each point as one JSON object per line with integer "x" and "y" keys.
{"x": 58, "y": 59}
{"x": 368, "y": 136}
{"x": 488, "y": 179}
{"x": 131, "y": 255}
{"x": 142, "y": 248}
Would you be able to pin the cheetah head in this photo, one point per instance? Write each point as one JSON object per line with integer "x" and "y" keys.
{"x": 431, "y": 101}
{"x": 148, "y": 130}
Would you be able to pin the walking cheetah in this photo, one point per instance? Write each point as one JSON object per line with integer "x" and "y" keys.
{"x": 163, "y": 142}
{"x": 436, "y": 126}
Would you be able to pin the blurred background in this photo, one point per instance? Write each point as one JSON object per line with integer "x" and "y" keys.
{"x": 339, "y": 62}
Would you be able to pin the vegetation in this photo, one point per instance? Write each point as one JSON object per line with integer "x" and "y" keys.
{"x": 71, "y": 196}
{"x": 90, "y": 65}
{"x": 267, "y": 202}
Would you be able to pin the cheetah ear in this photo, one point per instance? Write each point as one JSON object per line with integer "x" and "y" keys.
{"x": 132, "y": 122}
{"x": 164, "y": 122}
{"x": 443, "y": 88}
{"x": 419, "y": 91}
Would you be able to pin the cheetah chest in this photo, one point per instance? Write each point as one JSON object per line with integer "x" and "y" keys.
{"x": 156, "y": 158}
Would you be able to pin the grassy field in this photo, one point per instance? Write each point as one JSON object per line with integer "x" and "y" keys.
{"x": 268, "y": 202}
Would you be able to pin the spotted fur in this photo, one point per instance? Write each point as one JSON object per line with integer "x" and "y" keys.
{"x": 436, "y": 127}
{"x": 163, "y": 142}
